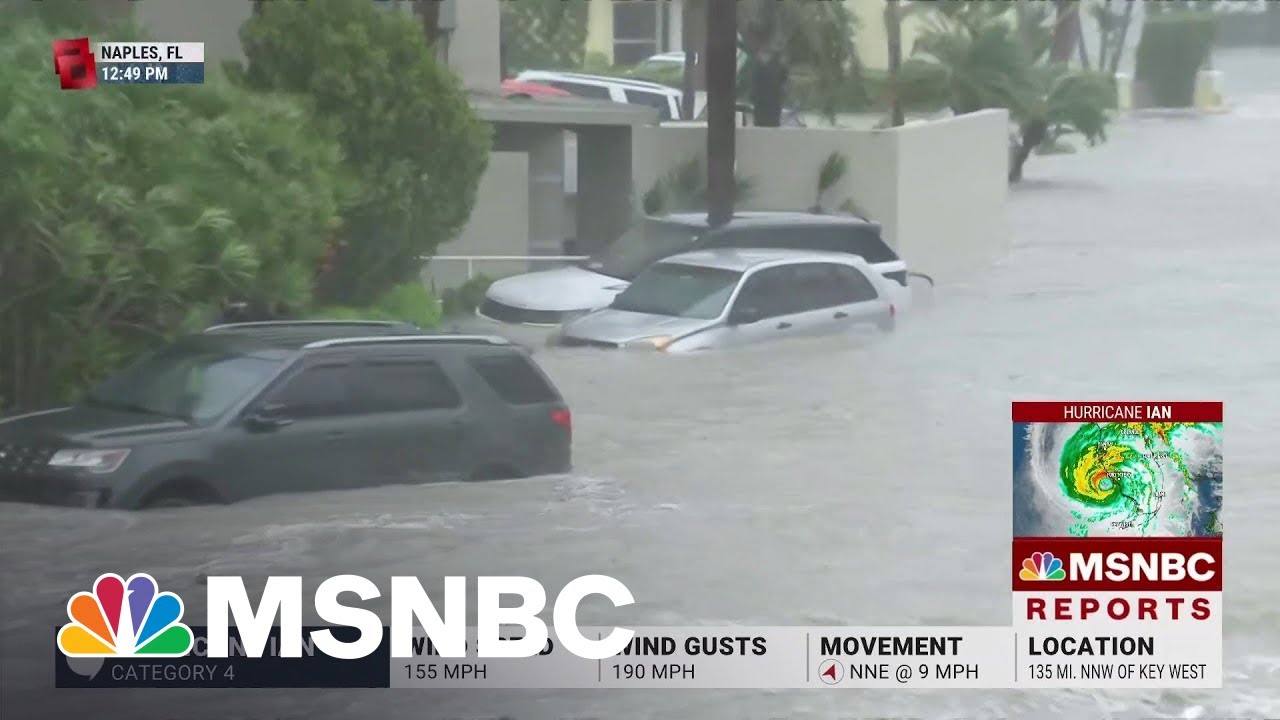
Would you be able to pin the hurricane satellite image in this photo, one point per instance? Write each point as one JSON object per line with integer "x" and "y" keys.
{"x": 1117, "y": 479}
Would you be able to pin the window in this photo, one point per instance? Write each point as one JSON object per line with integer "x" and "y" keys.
{"x": 641, "y": 246}
{"x": 514, "y": 380}
{"x": 859, "y": 240}
{"x": 637, "y": 30}
{"x": 857, "y": 287}
{"x": 676, "y": 290}
{"x": 817, "y": 286}
{"x": 827, "y": 285}
{"x": 595, "y": 92}
{"x": 654, "y": 100}
{"x": 387, "y": 386}
{"x": 317, "y": 391}
{"x": 769, "y": 292}
{"x": 193, "y": 381}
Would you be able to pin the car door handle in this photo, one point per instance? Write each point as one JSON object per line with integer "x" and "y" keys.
{"x": 784, "y": 325}
{"x": 841, "y": 315}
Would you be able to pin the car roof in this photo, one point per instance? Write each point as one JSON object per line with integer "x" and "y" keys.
{"x": 310, "y": 334}
{"x": 741, "y": 260}
{"x": 530, "y": 75}
{"x": 767, "y": 218}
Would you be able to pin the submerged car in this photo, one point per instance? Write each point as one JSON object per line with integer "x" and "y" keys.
{"x": 725, "y": 298}
{"x": 553, "y": 297}
{"x": 259, "y": 408}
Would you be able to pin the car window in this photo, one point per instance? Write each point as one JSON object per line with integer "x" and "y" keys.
{"x": 855, "y": 286}
{"x": 861, "y": 240}
{"x": 385, "y": 386}
{"x": 767, "y": 291}
{"x": 640, "y": 246}
{"x": 317, "y": 391}
{"x": 514, "y": 379}
{"x": 816, "y": 286}
{"x": 679, "y": 290}
{"x": 193, "y": 380}
{"x": 597, "y": 92}
{"x": 661, "y": 103}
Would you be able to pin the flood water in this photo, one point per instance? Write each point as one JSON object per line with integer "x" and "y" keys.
{"x": 815, "y": 483}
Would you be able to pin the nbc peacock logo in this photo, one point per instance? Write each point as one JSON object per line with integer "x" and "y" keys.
{"x": 124, "y": 618}
{"x": 1042, "y": 566}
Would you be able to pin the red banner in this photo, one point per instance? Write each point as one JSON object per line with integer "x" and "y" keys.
{"x": 1117, "y": 564}
{"x": 1068, "y": 412}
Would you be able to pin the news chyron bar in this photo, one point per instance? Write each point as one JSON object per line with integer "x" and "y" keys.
{"x": 1116, "y": 582}
{"x": 82, "y": 65}
{"x": 1117, "y": 548}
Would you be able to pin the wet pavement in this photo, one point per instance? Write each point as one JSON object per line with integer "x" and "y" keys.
{"x": 816, "y": 483}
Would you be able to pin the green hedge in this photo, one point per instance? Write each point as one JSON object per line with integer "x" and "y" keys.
{"x": 1173, "y": 49}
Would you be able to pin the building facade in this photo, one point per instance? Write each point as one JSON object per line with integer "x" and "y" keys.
{"x": 628, "y": 31}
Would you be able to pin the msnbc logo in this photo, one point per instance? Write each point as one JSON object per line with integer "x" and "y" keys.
{"x": 1042, "y": 566}
{"x": 125, "y": 618}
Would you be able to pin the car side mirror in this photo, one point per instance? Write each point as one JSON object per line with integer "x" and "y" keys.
{"x": 745, "y": 315}
{"x": 267, "y": 418}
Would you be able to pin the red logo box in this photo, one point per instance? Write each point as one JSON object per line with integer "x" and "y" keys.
{"x": 74, "y": 64}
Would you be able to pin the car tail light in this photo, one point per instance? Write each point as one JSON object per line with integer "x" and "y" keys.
{"x": 563, "y": 418}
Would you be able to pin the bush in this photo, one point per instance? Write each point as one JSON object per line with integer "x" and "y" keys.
{"x": 133, "y": 213}
{"x": 1173, "y": 49}
{"x": 404, "y": 122}
{"x": 464, "y": 299}
{"x": 409, "y": 302}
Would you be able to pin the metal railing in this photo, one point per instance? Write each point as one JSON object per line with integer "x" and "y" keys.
{"x": 471, "y": 260}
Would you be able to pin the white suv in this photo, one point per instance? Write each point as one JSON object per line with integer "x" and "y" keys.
{"x": 666, "y": 100}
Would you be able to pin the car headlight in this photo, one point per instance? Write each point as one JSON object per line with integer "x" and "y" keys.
{"x": 658, "y": 342}
{"x": 98, "y": 462}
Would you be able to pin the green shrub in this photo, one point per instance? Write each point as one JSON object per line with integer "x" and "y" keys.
{"x": 409, "y": 302}
{"x": 464, "y": 299}
{"x": 133, "y": 213}
{"x": 404, "y": 121}
{"x": 1172, "y": 51}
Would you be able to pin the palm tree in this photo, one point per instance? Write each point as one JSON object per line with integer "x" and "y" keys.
{"x": 722, "y": 70}
{"x": 991, "y": 63}
{"x": 778, "y": 35}
{"x": 893, "y": 34}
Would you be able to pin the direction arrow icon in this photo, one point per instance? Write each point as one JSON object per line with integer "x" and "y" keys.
{"x": 831, "y": 671}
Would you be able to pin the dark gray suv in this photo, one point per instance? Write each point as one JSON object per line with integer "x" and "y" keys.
{"x": 261, "y": 408}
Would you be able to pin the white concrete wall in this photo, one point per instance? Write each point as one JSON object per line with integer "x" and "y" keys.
{"x": 952, "y": 191}
{"x": 498, "y": 226}
{"x": 939, "y": 188}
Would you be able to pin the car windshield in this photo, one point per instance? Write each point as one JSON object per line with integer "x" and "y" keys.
{"x": 184, "y": 381}
{"x": 676, "y": 290}
{"x": 641, "y": 246}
